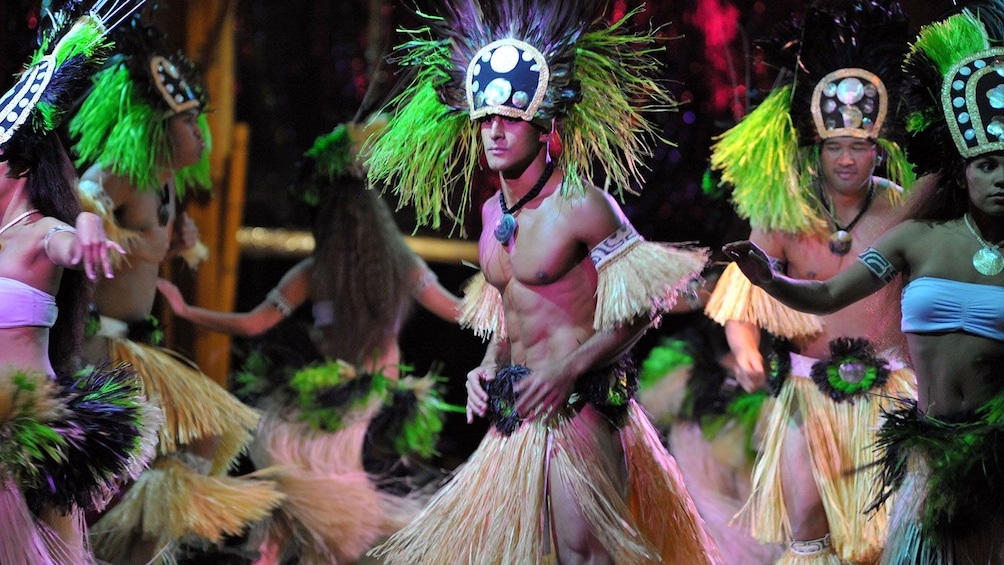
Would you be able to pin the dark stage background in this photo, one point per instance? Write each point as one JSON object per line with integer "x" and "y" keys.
{"x": 305, "y": 66}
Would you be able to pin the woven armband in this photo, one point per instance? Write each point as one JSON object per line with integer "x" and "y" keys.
{"x": 614, "y": 245}
{"x": 878, "y": 265}
{"x": 275, "y": 298}
{"x": 52, "y": 232}
{"x": 637, "y": 278}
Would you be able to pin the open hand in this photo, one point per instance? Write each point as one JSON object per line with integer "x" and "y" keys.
{"x": 751, "y": 260}
{"x": 542, "y": 392}
{"x": 92, "y": 247}
{"x": 173, "y": 295}
{"x": 477, "y": 397}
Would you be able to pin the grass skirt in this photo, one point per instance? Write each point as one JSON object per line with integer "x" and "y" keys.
{"x": 949, "y": 481}
{"x": 333, "y": 511}
{"x": 171, "y": 501}
{"x": 494, "y": 508}
{"x": 840, "y": 438}
{"x": 65, "y": 445}
{"x": 195, "y": 407}
{"x": 181, "y": 495}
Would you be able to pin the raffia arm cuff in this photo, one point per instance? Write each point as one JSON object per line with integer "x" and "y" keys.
{"x": 639, "y": 278}
{"x": 482, "y": 310}
{"x": 735, "y": 298}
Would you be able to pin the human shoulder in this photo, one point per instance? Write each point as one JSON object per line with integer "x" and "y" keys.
{"x": 98, "y": 179}
{"x": 885, "y": 187}
{"x": 595, "y": 212}
{"x": 771, "y": 241}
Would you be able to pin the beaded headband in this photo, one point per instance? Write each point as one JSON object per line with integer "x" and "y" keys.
{"x": 973, "y": 100}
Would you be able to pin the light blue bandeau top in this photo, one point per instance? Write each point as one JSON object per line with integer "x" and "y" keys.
{"x": 25, "y": 305}
{"x": 941, "y": 305}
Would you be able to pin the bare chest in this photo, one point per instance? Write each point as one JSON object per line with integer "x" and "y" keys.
{"x": 541, "y": 252}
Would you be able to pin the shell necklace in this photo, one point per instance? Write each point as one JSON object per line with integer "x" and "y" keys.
{"x": 988, "y": 261}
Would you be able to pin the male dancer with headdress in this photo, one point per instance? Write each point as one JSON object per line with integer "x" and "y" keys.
{"x": 814, "y": 204}
{"x": 143, "y": 131}
{"x": 572, "y": 470}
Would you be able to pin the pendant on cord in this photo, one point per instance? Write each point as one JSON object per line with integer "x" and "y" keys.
{"x": 505, "y": 228}
{"x": 988, "y": 261}
{"x": 840, "y": 242}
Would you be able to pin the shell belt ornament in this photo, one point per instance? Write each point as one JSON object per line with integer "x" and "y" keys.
{"x": 851, "y": 371}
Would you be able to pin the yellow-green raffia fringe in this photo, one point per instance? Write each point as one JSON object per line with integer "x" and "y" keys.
{"x": 194, "y": 406}
{"x": 482, "y": 309}
{"x": 735, "y": 298}
{"x": 615, "y": 71}
{"x": 425, "y": 151}
{"x": 643, "y": 279}
{"x": 761, "y": 159}
{"x": 116, "y": 127}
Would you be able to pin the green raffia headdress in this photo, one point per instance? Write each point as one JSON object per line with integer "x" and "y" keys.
{"x": 954, "y": 89}
{"x": 334, "y": 156}
{"x": 123, "y": 121}
{"x": 71, "y": 49}
{"x": 564, "y": 64}
{"x": 845, "y": 74}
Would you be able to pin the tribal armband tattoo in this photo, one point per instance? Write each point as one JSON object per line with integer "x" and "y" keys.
{"x": 878, "y": 265}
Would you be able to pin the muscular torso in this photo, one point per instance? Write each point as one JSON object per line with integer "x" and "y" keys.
{"x": 809, "y": 257}
{"x": 546, "y": 278}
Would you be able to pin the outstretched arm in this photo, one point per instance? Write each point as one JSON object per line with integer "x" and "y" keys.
{"x": 82, "y": 246}
{"x": 874, "y": 269}
{"x": 290, "y": 293}
{"x": 432, "y": 295}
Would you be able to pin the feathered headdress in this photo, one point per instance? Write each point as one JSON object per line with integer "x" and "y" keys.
{"x": 70, "y": 51}
{"x": 561, "y": 65}
{"x": 333, "y": 156}
{"x": 122, "y": 122}
{"x": 843, "y": 70}
{"x": 955, "y": 88}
